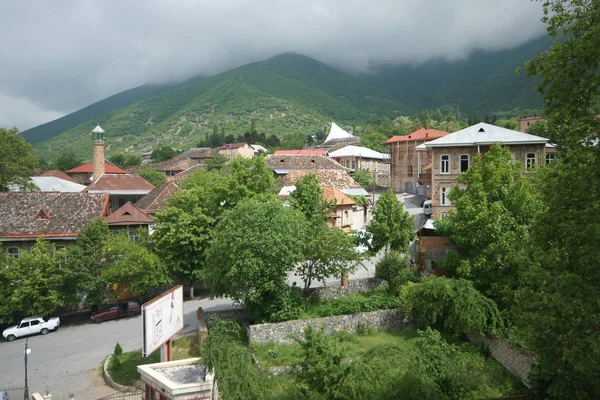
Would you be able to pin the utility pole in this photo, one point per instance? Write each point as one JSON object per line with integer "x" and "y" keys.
{"x": 27, "y": 351}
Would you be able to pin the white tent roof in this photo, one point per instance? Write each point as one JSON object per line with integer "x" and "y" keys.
{"x": 483, "y": 134}
{"x": 97, "y": 129}
{"x": 337, "y": 133}
{"x": 357, "y": 151}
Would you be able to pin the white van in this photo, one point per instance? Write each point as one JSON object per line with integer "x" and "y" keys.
{"x": 427, "y": 208}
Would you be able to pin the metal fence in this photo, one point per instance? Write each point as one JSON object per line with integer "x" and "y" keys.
{"x": 135, "y": 395}
{"x": 12, "y": 393}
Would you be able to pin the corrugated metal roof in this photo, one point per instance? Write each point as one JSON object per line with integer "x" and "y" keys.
{"x": 54, "y": 184}
{"x": 358, "y": 151}
{"x": 484, "y": 134}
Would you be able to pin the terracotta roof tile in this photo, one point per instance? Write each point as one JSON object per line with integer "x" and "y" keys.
{"x": 109, "y": 182}
{"x": 196, "y": 153}
{"x": 156, "y": 200}
{"x": 64, "y": 214}
{"x": 228, "y": 146}
{"x": 129, "y": 214}
{"x": 291, "y": 162}
{"x": 335, "y": 178}
{"x": 419, "y": 134}
{"x": 313, "y": 152}
{"x": 88, "y": 168}
{"x": 335, "y": 196}
{"x": 58, "y": 174}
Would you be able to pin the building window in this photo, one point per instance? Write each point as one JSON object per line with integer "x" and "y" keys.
{"x": 14, "y": 252}
{"x": 445, "y": 164}
{"x": 353, "y": 164}
{"x": 444, "y": 201}
{"x": 550, "y": 157}
{"x": 464, "y": 162}
{"x": 410, "y": 171}
{"x": 530, "y": 159}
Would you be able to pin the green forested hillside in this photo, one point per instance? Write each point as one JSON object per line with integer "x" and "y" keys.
{"x": 286, "y": 94}
{"x": 483, "y": 83}
{"x": 119, "y": 100}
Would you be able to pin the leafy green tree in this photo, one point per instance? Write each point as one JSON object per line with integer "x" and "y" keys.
{"x": 216, "y": 162}
{"x": 326, "y": 251}
{"x": 455, "y": 302}
{"x": 363, "y": 177}
{"x": 163, "y": 153}
{"x": 66, "y": 161}
{"x": 491, "y": 224}
{"x": 132, "y": 265}
{"x": 17, "y": 160}
{"x": 392, "y": 269}
{"x": 125, "y": 160}
{"x": 373, "y": 141}
{"x": 392, "y": 228}
{"x": 253, "y": 248}
{"x": 34, "y": 283}
{"x": 152, "y": 176}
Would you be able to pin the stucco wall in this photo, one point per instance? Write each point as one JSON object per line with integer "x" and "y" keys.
{"x": 282, "y": 332}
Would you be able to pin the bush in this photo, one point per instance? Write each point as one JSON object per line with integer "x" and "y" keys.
{"x": 377, "y": 299}
{"x": 365, "y": 329}
{"x": 118, "y": 350}
{"x": 284, "y": 305}
{"x": 392, "y": 269}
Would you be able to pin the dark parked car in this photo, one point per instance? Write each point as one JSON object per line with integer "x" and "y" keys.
{"x": 128, "y": 309}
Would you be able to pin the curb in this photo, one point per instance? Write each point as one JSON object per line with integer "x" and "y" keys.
{"x": 109, "y": 381}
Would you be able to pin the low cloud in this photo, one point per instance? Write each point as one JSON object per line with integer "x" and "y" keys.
{"x": 61, "y": 56}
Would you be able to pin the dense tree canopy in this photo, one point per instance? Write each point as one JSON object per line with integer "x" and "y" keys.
{"x": 152, "y": 176}
{"x": 66, "y": 161}
{"x": 392, "y": 228}
{"x": 17, "y": 160}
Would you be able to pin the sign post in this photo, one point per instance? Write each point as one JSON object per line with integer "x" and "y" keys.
{"x": 162, "y": 318}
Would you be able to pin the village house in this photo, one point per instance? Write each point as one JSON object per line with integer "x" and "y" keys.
{"x": 357, "y": 158}
{"x": 525, "y": 123}
{"x": 409, "y": 170}
{"x": 342, "y": 216}
{"x": 232, "y": 150}
{"x": 156, "y": 199}
{"x": 282, "y": 164}
{"x": 200, "y": 154}
{"x": 453, "y": 154}
{"x": 130, "y": 218}
{"x": 310, "y": 152}
{"x": 83, "y": 173}
{"x": 58, "y": 217}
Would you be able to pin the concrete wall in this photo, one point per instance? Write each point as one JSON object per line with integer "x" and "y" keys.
{"x": 512, "y": 357}
{"x": 281, "y": 332}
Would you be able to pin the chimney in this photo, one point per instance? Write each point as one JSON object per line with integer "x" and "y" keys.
{"x": 98, "y": 162}
{"x": 426, "y": 127}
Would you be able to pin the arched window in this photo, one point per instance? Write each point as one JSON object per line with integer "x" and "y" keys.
{"x": 14, "y": 252}
{"x": 444, "y": 192}
{"x": 464, "y": 162}
{"x": 445, "y": 164}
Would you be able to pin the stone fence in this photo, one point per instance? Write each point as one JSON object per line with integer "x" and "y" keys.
{"x": 282, "y": 332}
{"x": 515, "y": 359}
{"x": 354, "y": 286}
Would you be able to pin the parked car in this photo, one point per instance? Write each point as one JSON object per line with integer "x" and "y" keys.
{"x": 427, "y": 208}
{"x": 128, "y": 309}
{"x": 31, "y": 326}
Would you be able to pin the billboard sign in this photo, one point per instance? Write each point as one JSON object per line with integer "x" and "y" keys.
{"x": 162, "y": 318}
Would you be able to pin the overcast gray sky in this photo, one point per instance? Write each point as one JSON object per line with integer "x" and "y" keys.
{"x": 59, "y": 56}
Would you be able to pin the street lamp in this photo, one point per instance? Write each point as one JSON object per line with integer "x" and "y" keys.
{"x": 27, "y": 352}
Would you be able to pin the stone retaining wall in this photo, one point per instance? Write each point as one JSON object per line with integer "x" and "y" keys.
{"x": 354, "y": 286}
{"x": 280, "y": 332}
{"x": 512, "y": 357}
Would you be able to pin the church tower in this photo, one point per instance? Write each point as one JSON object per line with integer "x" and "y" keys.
{"x": 99, "y": 167}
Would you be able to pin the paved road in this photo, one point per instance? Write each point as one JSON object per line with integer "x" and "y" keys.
{"x": 68, "y": 361}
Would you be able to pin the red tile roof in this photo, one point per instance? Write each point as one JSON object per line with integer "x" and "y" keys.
{"x": 336, "y": 196}
{"x": 156, "y": 200}
{"x": 109, "y": 182}
{"x": 51, "y": 214}
{"x": 228, "y": 146}
{"x": 419, "y": 134}
{"x": 58, "y": 174}
{"x": 88, "y": 168}
{"x": 129, "y": 215}
{"x": 313, "y": 152}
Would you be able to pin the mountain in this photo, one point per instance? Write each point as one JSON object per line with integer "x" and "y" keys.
{"x": 289, "y": 93}
{"x": 483, "y": 83}
{"x": 120, "y": 100}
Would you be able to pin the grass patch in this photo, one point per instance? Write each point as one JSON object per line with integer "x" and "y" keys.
{"x": 123, "y": 368}
{"x": 394, "y": 350}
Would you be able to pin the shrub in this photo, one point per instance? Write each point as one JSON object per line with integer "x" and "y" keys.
{"x": 284, "y": 305}
{"x": 365, "y": 329}
{"x": 118, "y": 350}
{"x": 392, "y": 269}
{"x": 273, "y": 354}
{"x": 377, "y": 299}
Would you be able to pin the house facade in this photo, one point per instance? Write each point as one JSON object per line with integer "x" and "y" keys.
{"x": 58, "y": 217}
{"x": 453, "y": 154}
{"x": 410, "y": 170}
{"x": 121, "y": 188}
{"x": 232, "y": 150}
{"x": 357, "y": 158}
{"x": 343, "y": 214}
{"x": 525, "y": 123}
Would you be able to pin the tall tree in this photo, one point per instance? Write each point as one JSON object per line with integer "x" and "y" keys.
{"x": 152, "y": 176}
{"x": 253, "y": 248}
{"x": 392, "y": 228}
{"x": 66, "y": 161}
{"x": 491, "y": 223}
{"x": 17, "y": 160}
